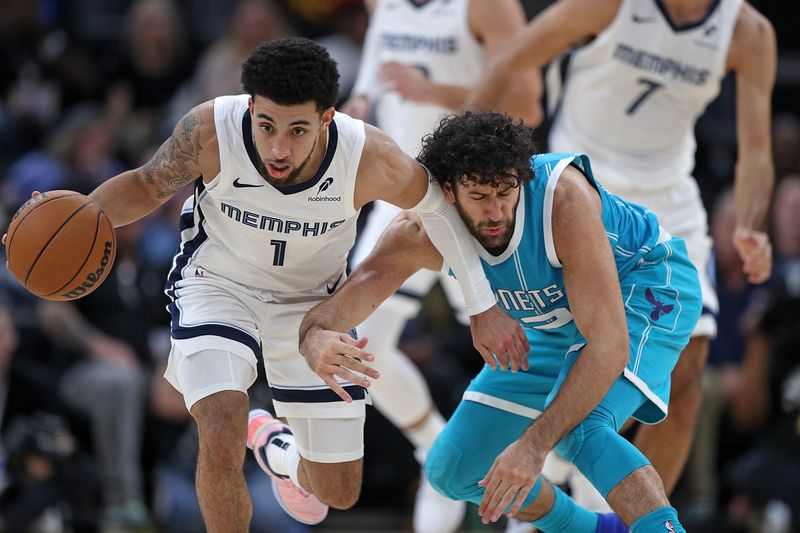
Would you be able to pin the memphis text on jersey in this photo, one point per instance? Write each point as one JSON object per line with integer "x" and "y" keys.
{"x": 664, "y": 66}
{"x": 277, "y": 225}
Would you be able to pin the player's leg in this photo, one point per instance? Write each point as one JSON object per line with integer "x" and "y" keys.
{"x": 667, "y": 444}
{"x": 468, "y": 446}
{"x": 402, "y": 395}
{"x": 212, "y": 364}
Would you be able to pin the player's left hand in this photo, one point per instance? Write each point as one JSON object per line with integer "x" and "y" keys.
{"x": 496, "y": 334}
{"x": 510, "y": 479}
{"x": 756, "y": 252}
{"x": 410, "y": 82}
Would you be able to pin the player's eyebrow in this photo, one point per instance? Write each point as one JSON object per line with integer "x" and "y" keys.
{"x": 300, "y": 122}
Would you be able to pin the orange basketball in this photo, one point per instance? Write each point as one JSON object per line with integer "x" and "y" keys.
{"x": 60, "y": 245}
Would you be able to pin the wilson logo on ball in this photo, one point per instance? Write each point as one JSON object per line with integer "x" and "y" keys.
{"x": 92, "y": 277}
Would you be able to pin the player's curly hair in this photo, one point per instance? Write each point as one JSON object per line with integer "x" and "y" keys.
{"x": 487, "y": 148}
{"x": 292, "y": 71}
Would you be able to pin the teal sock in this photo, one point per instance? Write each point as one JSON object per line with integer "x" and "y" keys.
{"x": 662, "y": 520}
{"x": 566, "y": 516}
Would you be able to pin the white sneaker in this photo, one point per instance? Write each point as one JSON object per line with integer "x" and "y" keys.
{"x": 435, "y": 513}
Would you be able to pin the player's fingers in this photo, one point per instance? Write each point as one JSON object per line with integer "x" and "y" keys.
{"x": 348, "y": 375}
{"x": 521, "y": 344}
{"x": 513, "y": 359}
{"x": 502, "y": 359}
{"x": 487, "y": 356}
{"x": 523, "y": 493}
{"x": 357, "y": 366}
{"x": 338, "y": 389}
{"x": 503, "y": 504}
{"x": 493, "y": 507}
{"x": 493, "y": 481}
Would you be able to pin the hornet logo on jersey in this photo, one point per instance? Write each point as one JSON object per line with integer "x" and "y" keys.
{"x": 658, "y": 307}
{"x": 324, "y": 186}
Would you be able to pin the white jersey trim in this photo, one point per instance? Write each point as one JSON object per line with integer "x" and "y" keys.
{"x": 547, "y": 211}
{"x": 503, "y": 405}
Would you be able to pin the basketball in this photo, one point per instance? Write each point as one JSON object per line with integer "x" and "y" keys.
{"x": 60, "y": 245}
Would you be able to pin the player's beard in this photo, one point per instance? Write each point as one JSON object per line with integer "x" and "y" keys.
{"x": 494, "y": 244}
{"x": 291, "y": 178}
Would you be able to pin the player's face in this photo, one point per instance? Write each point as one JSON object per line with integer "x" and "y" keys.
{"x": 487, "y": 210}
{"x": 289, "y": 139}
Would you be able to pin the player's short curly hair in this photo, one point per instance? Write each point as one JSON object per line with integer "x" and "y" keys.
{"x": 486, "y": 148}
{"x": 292, "y": 71}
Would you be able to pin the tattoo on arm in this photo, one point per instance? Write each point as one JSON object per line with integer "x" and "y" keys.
{"x": 176, "y": 162}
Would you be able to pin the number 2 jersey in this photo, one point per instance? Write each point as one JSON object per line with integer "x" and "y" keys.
{"x": 289, "y": 239}
{"x": 633, "y": 94}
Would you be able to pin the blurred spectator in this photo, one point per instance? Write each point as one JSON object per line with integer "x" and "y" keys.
{"x": 41, "y": 71}
{"x": 769, "y": 474}
{"x": 348, "y": 27}
{"x": 78, "y": 155}
{"x": 154, "y": 62}
{"x": 786, "y": 220}
{"x": 219, "y": 71}
{"x": 47, "y": 473}
{"x": 786, "y": 144}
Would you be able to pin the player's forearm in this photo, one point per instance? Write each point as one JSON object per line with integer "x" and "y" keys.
{"x": 449, "y": 96}
{"x": 491, "y": 90}
{"x": 755, "y": 178}
{"x": 587, "y": 383}
{"x": 126, "y": 198}
{"x": 451, "y": 237}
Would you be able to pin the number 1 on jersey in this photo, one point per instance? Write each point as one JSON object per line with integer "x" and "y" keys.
{"x": 650, "y": 87}
{"x": 280, "y": 252}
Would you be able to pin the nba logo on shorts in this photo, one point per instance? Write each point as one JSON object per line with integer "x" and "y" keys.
{"x": 669, "y": 527}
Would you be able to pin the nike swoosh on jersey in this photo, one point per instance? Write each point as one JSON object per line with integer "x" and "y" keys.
{"x": 331, "y": 290}
{"x": 239, "y": 185}
{"x": 638, "y": 19}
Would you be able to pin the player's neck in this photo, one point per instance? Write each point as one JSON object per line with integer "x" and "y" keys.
{"x": 683, "y": 12}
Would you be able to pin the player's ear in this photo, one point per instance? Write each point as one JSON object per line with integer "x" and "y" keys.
{"x": 327, "y": 117}
{"x": 447, "y": 189}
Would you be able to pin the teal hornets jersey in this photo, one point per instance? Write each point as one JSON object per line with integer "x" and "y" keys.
{"x": 527, "y": 278}
{"x": 528, "y": 281}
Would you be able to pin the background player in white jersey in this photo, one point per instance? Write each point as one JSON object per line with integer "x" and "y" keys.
{"x": 278, "y": 181}
{"x": 634, "y": 90}
{"x": 420, "y": 60}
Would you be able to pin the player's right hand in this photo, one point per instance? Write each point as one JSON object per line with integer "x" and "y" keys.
{"x": 496, "y": 334}
{"x": 331, "y": 353}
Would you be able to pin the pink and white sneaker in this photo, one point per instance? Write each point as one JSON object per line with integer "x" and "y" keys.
{"x": 299, "y": 504}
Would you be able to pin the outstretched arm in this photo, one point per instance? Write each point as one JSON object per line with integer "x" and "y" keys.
{"x": 753, "y": 56}
{"x": 595, "y": 298}
{"x": 558, "y": 27}
{"x": 188, "y": 154}
{"x": 402, "y": 249}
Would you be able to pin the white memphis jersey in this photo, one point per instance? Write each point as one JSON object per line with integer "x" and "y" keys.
{"x": 633, "y": 94}
{"x": 433, "y": 36}
{"x": 288, "y": 240}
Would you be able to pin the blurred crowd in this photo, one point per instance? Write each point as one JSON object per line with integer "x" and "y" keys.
{"x": 93, "y": 438}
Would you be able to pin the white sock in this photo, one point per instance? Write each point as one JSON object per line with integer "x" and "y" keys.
{"x": 423, "y": 436}
{"x": 283, "y": 456}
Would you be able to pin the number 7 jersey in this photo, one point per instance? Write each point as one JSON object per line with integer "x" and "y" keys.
{"x": 632, "y": 95}
{"x": 288, "y": 240}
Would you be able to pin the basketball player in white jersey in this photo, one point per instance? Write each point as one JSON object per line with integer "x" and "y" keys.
{"x": 279, "y": 179}
{"x": 420, "y": 60}
{"x": 641, "y": 73}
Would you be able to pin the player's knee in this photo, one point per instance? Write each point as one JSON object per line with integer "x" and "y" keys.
{"x": 222, "y": 423}
{"x": 603, "y": 456}
{"x": 335, "y": 484}
{"x": 445, "y": 470}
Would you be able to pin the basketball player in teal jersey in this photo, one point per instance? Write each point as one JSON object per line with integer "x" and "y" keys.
{"x": 608, "y": 300}
{"x": 640, "y": 73}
